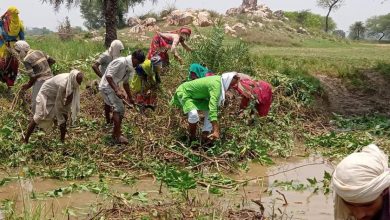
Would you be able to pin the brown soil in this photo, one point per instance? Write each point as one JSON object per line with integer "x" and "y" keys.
{"x": 373, "y": 97}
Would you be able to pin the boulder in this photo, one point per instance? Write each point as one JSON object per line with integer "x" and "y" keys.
{"x": 260, "y": 25}
{"x": 138, "y": 29}
{"x": 133, "y": 21}
{"x": 204, "y": 19}
{"x": 279, "y": 14}
{"x": 239, "y": 28}
{"x": 149, "y": 22}
{"x": 98, "y": 39}
{"x": 235, "y": 11}
{"x": 302, "y": 30}
{"x": 179, "y": 17}
{"x": 153, "y": 28}
{"x": 186, "y": 18}
{"x": 229, "y": 30}
{"x": 260, "y": 14}
{"x": 252, "y": 4}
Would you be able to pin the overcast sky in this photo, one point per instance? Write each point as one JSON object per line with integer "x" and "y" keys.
{"x": 35, "y": 14}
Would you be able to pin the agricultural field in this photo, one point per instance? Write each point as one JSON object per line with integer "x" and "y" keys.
{"x": 331, "y": 98}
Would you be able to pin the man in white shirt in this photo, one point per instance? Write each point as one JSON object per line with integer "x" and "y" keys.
{"x": 120, "y": 70}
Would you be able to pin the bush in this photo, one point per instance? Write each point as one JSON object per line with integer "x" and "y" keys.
{"x": 310, "y": 20}
{"x": 150, "y": 14}
{"x": 212, "y": 52}
{"x": 65, "y": 30}
{"x": 383, "y": 68}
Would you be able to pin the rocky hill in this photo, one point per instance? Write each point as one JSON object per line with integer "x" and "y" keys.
{"x": 237, "y": 21}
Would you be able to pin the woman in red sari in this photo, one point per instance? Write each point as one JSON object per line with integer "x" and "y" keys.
{"x": 164, "y": 41}
{"x": 257, "y": 90}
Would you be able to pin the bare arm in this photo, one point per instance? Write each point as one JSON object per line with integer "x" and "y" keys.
{"x": 176, "y": 41}
{"x": 185, "y": 46}
{"x": 114, "y": 86}
{"x": 126, "y": 86}
{"x": 29, "y": 84}
{"x": 95, "y": 67}
{"x": 215, "y": 135}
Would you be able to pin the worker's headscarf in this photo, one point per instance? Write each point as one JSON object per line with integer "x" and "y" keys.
{"x": 226, "y": 79}
{"x": 360, "y": 178}
{"x": 72, "y": 86}
{"x": 22, "y": 48}
{"x": 185, "y": 30}
{"x": 115, "y": 49}
{"x": 199, "y": 70}
{"x": 12, "y": 24}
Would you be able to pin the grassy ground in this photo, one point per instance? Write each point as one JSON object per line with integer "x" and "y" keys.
{"x": 157, "y": 145}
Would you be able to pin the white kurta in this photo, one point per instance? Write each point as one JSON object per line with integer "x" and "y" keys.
{"x": 50, "y": 101}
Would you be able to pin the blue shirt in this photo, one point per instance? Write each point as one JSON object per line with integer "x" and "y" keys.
{"x": 6, "y": 37}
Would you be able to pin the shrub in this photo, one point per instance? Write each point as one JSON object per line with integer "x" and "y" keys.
{"x": 219, "y": 57}
{"x": 65, "y": 30}
{"x": 310, "y": 20}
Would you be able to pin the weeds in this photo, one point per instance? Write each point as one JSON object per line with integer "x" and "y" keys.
{"x": 156, "y": 148}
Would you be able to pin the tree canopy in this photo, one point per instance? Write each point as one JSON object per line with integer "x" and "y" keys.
{"x": 379, "y": 26}
{"x": 330, "y": 5}
{"x": 357, "y": 30}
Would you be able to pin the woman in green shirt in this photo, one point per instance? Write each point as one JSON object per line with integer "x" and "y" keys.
{"x": 207, "y": 95}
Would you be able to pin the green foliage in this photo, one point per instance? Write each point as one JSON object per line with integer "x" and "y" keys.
{"x": 175, "y": 179}
{"x": 313, "y": 184}
{"x": 357, "y": 31}
{"x": 100, "y": 188}
{"x": 340, "y": 144}
{"x": 310, "y": 20}
{"x": 375, "y": 125}
{"x": 379, "y": 26}
{"x": 383, "y": 68}
{"x": 211, "y": 51}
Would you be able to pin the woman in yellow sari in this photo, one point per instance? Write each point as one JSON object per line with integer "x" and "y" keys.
{"x": 11, "y": 30}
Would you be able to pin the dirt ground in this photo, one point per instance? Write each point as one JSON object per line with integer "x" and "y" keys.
{"x": 372, "y": 97}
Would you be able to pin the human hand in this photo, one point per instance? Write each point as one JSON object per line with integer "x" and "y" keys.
{"x": 214, "y": 136}
{"x": 120, "y": 94}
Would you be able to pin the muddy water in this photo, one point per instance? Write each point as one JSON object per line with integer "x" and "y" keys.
{"x": 301, "y": 205}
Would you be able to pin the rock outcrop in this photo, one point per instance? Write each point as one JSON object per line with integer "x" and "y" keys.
{"x": 133, "y": 21}
{"x": 251, "y": 8}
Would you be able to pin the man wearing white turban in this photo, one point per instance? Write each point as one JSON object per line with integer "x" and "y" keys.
{"x": 57, "y": 97}
{"x": 361, "y": 184}
{"x": 100, "y": 65}
{"x": 37, "y": 65}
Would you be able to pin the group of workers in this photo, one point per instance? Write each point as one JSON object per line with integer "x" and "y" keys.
{"x": 361, "y": 181}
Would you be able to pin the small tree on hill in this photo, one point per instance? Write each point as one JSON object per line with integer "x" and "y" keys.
{"x": 330, "y": 5}
{"x": 379, "y": 26}
{"x": 357, "y": 30}
{"x": 65, "y": 31}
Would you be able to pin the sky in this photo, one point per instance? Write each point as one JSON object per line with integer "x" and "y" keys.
{"x": 36, "y": 14}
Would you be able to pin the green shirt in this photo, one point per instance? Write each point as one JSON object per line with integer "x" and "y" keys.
{"x": 200, "y": 94}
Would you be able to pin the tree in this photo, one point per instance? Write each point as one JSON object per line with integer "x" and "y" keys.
{"x": 379, "y": 26}
{"x": 357, "y": 30}
{"x": 92, "y": 12}
{"x": 109, "y": 11}
{"x": 308, "y": 19}
{"x": 330, "y": 5}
